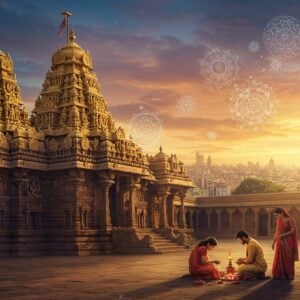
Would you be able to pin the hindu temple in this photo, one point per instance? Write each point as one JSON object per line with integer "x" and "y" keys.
{"x": 70, "y": 180}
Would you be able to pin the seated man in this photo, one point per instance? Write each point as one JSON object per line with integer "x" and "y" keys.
{"x": 199, "y": 263}
{"x": 254, "y": 266}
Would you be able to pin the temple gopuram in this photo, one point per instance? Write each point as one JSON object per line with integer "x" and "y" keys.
{"x": 70, "y": 180}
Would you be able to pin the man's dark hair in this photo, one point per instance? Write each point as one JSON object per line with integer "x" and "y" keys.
{"x": 242, "y": 234}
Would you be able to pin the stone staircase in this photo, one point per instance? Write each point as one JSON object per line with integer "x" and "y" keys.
{"x": 162, "y": 244}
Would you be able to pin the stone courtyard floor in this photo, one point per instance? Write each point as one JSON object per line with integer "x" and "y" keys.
{"x": 132, "y": 277}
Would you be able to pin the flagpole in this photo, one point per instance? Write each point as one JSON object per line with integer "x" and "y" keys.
{"x": 67, "y": 14}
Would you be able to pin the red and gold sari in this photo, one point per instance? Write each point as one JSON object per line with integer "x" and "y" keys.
{"x": 197, "y": 268}
{"x": 286, "y": 250}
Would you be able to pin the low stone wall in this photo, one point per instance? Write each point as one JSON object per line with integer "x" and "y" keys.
{"x": 224, "y": 216}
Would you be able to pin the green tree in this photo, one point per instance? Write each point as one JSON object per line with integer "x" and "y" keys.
{"x": 256, "y": 185}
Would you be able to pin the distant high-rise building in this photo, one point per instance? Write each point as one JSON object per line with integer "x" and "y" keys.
{"x": 209, "y": 161}
{"x": 199, "y": 159}
{"x": 271, "y": 163}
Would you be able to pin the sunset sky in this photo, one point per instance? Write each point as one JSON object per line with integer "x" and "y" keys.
{"x": 146, "y": 53}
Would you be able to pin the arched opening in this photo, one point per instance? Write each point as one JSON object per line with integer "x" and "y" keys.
{"x": 237, "y": 220}
{"x": 295, "y": 214}
{"x": 188, "y": 219}
{"x": 203, "y": 220}
{"x": 249, "y": 219}
{"x": 194, "y": 218}
{"x": 272, "y": 220}
{"x": 214, "y": 219}
{"x": 224, "y": 219}
{"x": 263, "y": 220}
{"x": 178, "y": 217}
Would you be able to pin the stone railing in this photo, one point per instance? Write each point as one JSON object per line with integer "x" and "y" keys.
{"x": 128, "y": 241}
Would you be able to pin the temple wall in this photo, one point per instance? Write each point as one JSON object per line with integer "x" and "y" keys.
{"x": 224, "y": 216}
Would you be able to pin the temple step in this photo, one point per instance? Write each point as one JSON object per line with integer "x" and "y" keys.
{"x": 173, "y": 250}
{"x": 163, "y": 245}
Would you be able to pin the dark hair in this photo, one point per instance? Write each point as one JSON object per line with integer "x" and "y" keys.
{"x": 209, "y": 240}
{"x": 242, "y": 234}
{"x": 279, "y": 210}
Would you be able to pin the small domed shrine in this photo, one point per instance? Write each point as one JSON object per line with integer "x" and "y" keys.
{"x": 70, "y": 180}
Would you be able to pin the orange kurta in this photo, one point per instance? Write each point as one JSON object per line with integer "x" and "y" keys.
{"x": 197, "y": 268}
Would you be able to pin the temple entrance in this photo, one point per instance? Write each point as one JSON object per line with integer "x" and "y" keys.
{"x": 263, "y": 220}
{"x": 188, "y": 219}
{"x": 178, "y": 217}
{"x": 141, "y": 219}
{"x": 113, "y": 205}
{"x": 156, "y": 215}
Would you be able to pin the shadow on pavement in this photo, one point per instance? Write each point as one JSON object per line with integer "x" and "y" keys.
{"x": 162, "y": 287}
{"x": 270, "y": 289}
{"x": 274, "y": 289}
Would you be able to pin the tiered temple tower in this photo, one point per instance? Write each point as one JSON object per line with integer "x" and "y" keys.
{"x": 12, "y": 112}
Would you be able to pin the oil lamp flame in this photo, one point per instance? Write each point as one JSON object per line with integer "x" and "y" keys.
{"x": 229, "y": 255}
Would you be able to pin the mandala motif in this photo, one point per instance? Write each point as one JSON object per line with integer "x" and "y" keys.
{"x": 212, "y": 135}
{"x": 275, "y": 65}
{"x": 145, "y": 129}
{"x": 254, "y": 46}
{"x": 282, "y": 37}
{"x": 220, "y": 67}
{"x": 186, "y": 105}
{"x": 253, "y": 104}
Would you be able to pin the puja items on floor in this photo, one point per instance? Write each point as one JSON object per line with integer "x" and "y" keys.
{"x": 231, "y": 274}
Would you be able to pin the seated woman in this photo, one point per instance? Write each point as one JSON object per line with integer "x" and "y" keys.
{"x": 199, "y": 263}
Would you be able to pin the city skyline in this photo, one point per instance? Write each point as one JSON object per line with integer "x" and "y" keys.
{"x": 146, "y": 54}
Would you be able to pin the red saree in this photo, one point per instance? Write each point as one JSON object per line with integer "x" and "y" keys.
{"x": 206, "y": 272}
{"x": 286, "y": 250}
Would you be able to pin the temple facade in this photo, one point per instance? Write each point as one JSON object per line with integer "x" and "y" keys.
{"x": 70, "y": 180}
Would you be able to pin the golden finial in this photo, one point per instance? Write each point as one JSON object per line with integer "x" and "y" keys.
{"x": 72, "y": 35}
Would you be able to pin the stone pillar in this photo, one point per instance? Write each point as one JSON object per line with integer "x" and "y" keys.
{"x": 196, "y": 226}
{"x": 105, "y": 221}
{"x": 19, "y": 211}
{"x": 147, "y": 213}
{"x": 163, "y": 221}
{"x": 256, "y": 221}
{"x": 77, "y": 183}
{"x": 171, "y": 211}
{"x": 175, "y": 211}
{"x": 133, "y": 188}
{"x": 243, "y": 211}
{"x": 182, "y": 211}
{"x": 230, "y": 212}
{"x": 269, "y": 210}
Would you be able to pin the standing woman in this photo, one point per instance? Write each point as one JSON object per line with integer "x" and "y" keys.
{"x": 285, "y": 244}
{"x": 199, "y": 263}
